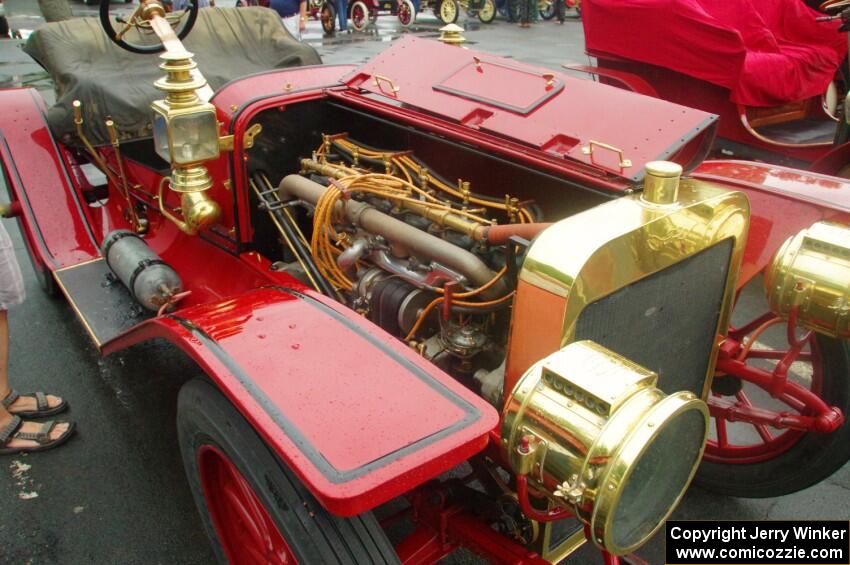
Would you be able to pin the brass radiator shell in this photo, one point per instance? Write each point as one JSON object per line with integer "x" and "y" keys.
{"x": 593, "y": 254}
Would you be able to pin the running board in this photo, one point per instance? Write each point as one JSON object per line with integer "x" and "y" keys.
{"x": 101, "y": 302}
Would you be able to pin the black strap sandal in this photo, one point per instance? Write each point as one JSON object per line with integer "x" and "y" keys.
{"x": 41, "y": 437}
{"x": 42, "y": 410}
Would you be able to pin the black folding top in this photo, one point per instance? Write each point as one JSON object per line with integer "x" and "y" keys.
{"x": 85, "y": 65}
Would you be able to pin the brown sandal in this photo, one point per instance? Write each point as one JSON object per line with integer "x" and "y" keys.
{"x": 41, "y": 437}
{"x": 42, "y": 410}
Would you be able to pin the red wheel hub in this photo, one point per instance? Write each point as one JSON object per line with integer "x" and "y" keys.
{"x": 763, "y": 442}
{"x": 357, "y": 16}
{"x": 404, "y": 14}
{"x": 246, "y": 531}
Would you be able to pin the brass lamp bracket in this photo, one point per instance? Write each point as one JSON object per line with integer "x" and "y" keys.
{"x": 225, "y": 142}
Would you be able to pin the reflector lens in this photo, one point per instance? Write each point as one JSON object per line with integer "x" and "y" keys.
{"x": 658, "y": 479}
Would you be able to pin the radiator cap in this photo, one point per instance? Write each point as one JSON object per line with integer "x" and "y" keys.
{"x": 661, "y": 184}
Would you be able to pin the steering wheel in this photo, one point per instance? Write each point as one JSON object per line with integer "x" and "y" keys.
{"x": 187, "y": 16}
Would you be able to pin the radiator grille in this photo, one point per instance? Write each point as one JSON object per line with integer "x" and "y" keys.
{"x": 667, "y": 321}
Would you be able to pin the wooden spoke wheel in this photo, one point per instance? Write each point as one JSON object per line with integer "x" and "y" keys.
{"x": 327, "y": 15}
{"x": 359, "y": 15}
{"x": 253, "y": 507}
{"x": 746, "y": 457}
{"x": 448, "y": 11}
{"x": 406, "y": 13}
{"x": 487, "y": 12}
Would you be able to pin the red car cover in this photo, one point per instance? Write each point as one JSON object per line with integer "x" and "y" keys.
{"x": 766, "y": 52}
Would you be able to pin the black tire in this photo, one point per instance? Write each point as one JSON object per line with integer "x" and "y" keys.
{"x": 327, "y": 15}
{"x": 812, "y": 459}
{"x": 206, "y": 417}
{"x": 4, "y": 27}
{"x": 487, "y": 11}
{"x": 548, "y": 12}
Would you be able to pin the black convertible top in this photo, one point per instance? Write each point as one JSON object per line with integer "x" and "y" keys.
{"x": 85, "y": 65}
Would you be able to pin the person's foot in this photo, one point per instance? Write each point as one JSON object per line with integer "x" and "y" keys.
{"x": 23, "y": 436}
{"x": 59, "y": 430}
{"x": 30, "y": 404}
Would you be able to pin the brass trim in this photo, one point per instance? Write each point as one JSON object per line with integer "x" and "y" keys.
{"x": 76, "y": 265}
{"x": 379, "y": 81}
{"x": 565, "y": 549}
{"x": 588, "y": 150}
{"x": 620, "y": 242}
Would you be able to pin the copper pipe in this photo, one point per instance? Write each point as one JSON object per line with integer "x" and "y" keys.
{"x": 415, "y": 240}
{"x": 500, "y": 235}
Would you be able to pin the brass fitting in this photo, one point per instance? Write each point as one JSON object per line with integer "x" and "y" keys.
{"x": 451, "y": 35}
{"x": 661, "y": 184}
{"x": 179, "y": 83}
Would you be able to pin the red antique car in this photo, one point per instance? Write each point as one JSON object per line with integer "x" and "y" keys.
{"x": 388, "y": 272}
{"x": 772, "y": 71}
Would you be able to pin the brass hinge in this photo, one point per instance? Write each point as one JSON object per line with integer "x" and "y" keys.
{"x": 225, "y": 142}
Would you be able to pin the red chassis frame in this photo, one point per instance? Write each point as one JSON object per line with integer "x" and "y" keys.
{"x": 237, "y": 301}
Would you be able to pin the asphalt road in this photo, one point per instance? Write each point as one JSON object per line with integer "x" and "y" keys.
{"x": 116, "y": 493}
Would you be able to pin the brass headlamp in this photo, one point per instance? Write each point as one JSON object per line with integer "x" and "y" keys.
{"x": 589, "y": 429}
{"x": 811, "y": 274}
{"x": 185, "y": 132}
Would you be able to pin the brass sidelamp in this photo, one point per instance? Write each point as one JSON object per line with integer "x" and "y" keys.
{"x": 809, "y": 278}
{"x": 185, "y": 132}
{"x": 589, "y": 429}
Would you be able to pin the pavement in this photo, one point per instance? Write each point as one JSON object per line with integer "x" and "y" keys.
{"x": 116, "y": 493}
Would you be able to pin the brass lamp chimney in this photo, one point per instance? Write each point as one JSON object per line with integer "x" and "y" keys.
{"x": 452, "y": 34}
{"x": 186, "y": 135}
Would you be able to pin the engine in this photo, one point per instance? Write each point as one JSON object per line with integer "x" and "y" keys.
{"x": 428, "y": 260}
{"x": 567, "y": 328}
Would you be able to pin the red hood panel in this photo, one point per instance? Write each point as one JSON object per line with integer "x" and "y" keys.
{"x": 549, "y": 112}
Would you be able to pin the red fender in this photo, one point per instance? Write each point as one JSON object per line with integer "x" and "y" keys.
{"x": 783, "y": 201}
{"x": 53, "y": 220}
{"x": 356, "y": 414}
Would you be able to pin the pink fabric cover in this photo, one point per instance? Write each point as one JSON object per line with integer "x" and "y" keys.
{"x": 766, "y": 52}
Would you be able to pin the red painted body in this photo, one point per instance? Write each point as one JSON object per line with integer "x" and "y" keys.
{"x": 288, "y": 358}
{"x": 683, "y": 89}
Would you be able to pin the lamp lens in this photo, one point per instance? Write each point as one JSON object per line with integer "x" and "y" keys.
{"x": 660, "y": 475}
{"x": 160, "y": 136}
{"x": 195, "y": 137}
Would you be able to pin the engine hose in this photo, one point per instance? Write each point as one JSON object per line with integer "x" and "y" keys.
{"x": 501, "y": 234}
{"x": 418, "y": 242}
{"x": 302, "y": 254}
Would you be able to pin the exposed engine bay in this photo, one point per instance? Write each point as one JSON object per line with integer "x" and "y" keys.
{"x": 429, "y": 260}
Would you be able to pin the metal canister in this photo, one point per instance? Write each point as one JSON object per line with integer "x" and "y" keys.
{"x": 150, "y": 280}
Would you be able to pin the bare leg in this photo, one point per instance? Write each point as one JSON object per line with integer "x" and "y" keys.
{"x": 4, "y": 354}
{"x": 5, "y": 416}
{"x": 24, "y": 403}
